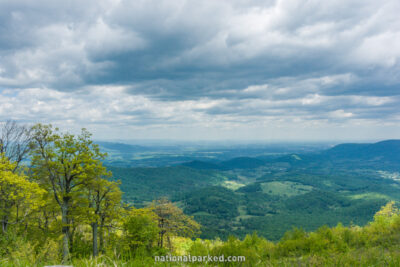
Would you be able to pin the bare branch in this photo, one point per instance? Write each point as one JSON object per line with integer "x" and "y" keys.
{"x": 15, "y": 141}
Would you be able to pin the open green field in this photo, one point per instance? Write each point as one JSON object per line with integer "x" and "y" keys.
{"x": 286, "y": 188}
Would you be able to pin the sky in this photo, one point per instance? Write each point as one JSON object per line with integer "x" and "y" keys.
{"x": 204, "y": 70}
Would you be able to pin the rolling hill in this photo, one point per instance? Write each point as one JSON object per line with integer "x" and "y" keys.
{"x": 385, "y": 150}
{"x": 347, "y": 183}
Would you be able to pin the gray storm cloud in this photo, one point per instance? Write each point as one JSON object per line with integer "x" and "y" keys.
{"x": 190, "y": 65}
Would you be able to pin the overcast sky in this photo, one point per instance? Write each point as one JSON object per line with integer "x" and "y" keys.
{"x": 237, "y": 69}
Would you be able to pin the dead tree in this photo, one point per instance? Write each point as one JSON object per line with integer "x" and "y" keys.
{"x": 15, "y": 141}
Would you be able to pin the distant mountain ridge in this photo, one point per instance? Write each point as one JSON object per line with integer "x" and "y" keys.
{"x": 387, "y": 150}
{"x": 201, "y": 165}
{"x": 121, "y": 147}
{"x": 235, "y": 163}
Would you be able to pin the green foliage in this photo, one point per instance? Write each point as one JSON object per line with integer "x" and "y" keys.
{"x": 173, "y": 222}
{"x": 140, "y": 229}
{"x": 277, "y": 196}
{"x": 146, "y": 184}
{"x": 212, "y": 207}
{"x": 19, "y": 197}
{"x": 286, "y": 188}
{"x": 16, "y": 248}
{"x": 66, "y": 165}
{"x": 375, "y": 244}
{"x": 215, "y": 200}
{"x": 316, "y": 200}
{"x": 251, "y": 188}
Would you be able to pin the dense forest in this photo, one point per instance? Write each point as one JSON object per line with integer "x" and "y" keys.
{"x": 266, "y": 192}
{"x": 59, "y": 203}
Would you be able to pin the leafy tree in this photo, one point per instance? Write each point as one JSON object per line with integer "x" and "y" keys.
{"x": 172, "y": 221}
{"x": 104, "y": 197}
{"x": 47, "y": 217}
{"x": 140, "y": 229}
{"x": 109, "y": 213}
{"x": 17, "y": 194}
{"x": 68, "y": 164}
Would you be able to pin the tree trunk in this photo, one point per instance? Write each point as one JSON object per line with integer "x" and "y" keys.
{"x": 4, "y": 224}
{"x": 65, "y": 230}
{"x": 101, "y": 236}
{"x": 72, "y": 229}
{"x": 6, "y": 212}
{"x": 161, "y": 239}
{"x": 95, "y": 233}
{"x": 161, "y": 233}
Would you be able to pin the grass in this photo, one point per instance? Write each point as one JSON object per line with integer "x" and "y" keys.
{"x": 370, "y": 195}
{"x": 243, "y": 213}
{"x": 232, "y": 185}
{"x": 285, "y": 188}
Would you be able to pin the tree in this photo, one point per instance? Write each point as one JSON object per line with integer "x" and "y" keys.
{"x": 68, "y": 164}
{"x": 172, "y": 221}
{"x": 15, "y": 141}
{"x": 17, "y": 194}
{"x": 103, "y": 196}
{"x": 140, "y": 229}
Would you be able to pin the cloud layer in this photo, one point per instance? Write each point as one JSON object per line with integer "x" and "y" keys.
{"x": 211, "y": 69}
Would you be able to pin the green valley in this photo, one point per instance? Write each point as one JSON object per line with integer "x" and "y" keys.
{"x": 272, "y": 194}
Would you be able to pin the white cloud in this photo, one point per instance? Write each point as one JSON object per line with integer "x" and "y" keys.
{"x": 340, "y": 113}
{"x": 381, "y": 50}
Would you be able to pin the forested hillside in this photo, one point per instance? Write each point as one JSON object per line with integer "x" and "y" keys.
{"x": 146, "y": 184}
{"x": 271, "y": 194}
